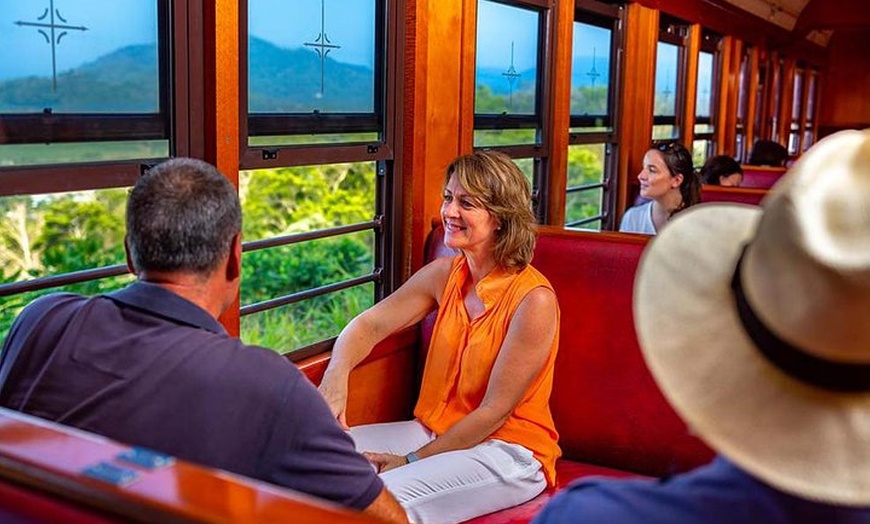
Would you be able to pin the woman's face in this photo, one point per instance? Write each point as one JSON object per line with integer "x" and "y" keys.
{"x": 732, "y": 180}
{"x": 467, "y": 224}
{"x": 655, "y": 177}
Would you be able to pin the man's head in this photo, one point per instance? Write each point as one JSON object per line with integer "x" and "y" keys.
{"x": 182, "y": 216}
{"x": 754, "y": 322}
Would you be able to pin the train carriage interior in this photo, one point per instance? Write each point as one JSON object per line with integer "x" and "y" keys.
{"x": 335, "y": 120}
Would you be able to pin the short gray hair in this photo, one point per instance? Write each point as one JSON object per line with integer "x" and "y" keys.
{"x": 181, "y": 216}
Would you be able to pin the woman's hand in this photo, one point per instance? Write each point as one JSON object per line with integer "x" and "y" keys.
{"x": 334, "y": 392}
{"x": 385, "y": 461}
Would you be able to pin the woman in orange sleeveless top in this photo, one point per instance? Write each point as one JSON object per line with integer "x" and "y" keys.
{"x": 482, "y": 438}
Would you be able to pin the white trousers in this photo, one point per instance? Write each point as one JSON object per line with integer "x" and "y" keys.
{"x": 456, "y": 485}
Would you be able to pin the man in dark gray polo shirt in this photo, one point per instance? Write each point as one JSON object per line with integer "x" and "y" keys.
{"x": 151, "y": 366}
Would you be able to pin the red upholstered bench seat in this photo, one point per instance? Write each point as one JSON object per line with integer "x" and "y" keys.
{"x": 566, "y": 471}
{"x": 762, "y": 177}
{"x": 611, "y": 417}
{"x": 742, "y": 195}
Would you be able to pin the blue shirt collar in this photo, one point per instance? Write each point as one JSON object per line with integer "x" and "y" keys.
{"x": 161, "y": 302}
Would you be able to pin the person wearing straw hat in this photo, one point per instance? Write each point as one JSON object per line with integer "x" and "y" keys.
{"x": 755, "y": 322}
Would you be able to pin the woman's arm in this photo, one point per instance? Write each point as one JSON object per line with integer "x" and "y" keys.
{"x": 522, "y": 357}
{"x": 407, "y": 306}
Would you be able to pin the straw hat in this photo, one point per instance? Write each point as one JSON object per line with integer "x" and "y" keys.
{"x": 788, "y": 398}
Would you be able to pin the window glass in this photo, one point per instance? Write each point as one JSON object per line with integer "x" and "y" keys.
{"x": 506, "y": 70}
{"x": 296, "y": 325}
{"x": 743, "y": 91}
{"x": 700, "y": 151}
{"x": 590, "y": 70}
{"x": 84, "y": 56}
{"x": 286, "y": 201}
{"x": 503, "y": 137}
{"x": 584, "y": 202}
{"x": 808, "y": 139}
{"x": 291, "y": 200}
{"x": 664, "y": 132}
{"x": 61, "y": 60}
{"x": 797, "y": 97}
{"x": 58, "y": 153}
{"x": 44, "y": 235}
{"x": 666, "y": 79}
{"x": 703, "y": 98}
{"x": 811, "y": 98}
{"x": 311, "y": 56}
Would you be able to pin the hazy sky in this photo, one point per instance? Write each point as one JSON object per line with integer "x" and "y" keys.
{"x": 347, "y": 23}
{"x": 110, "y": 24}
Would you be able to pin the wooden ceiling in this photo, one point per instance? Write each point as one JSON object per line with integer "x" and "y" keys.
{"x": 815, "y": 20}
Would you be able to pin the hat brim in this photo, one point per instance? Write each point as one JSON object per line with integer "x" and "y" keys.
{"x": 801, "y": 439}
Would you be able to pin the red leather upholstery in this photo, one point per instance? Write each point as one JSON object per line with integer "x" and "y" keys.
{"x": 742, "y": 195}
{"x": 611, "y": 417}
{"x": 761, "y": 177}
{"x": 566, "y": 471}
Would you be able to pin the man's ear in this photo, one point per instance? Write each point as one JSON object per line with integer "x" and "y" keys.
{"x": 130, "y": 267}
{"x": 234, "y": 263}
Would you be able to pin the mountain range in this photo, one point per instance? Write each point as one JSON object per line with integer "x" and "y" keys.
{"x": 281, "y": 80}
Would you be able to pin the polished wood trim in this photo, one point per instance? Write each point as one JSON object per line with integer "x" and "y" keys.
{"x": 751, "y": 105}
{"x": 805, "y": 96}
{"x": 467, "y": 75}
{"x": 37, "y": 180}
{"x": 636, "y": 97}
{"x": 434, "y": 139}
{"x": 222, "y": 100}
{"x": 50, "y": 458}
{"x": 384, "y": 385}
{"x": 729, "y": 85}
{"x": 786, "y": 100}
{"x": 561, "y": 45}
{"x": 691, "y": 49}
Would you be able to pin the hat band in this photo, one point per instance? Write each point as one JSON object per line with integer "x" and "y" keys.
{"x": 836, "y": 376}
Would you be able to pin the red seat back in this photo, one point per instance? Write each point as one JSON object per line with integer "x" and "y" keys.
{"x": 742, "y": 195}
{"x": 760, "y": 176}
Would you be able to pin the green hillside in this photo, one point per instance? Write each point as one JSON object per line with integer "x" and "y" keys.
{"x": 283, "y": 80}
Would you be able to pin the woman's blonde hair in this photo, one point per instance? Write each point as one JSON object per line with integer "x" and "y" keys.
{"x": 494, "y": 180}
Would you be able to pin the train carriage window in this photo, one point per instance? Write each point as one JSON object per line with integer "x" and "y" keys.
{"x": 743, "y": 95}
{"x": 809, "y": 114}
{"x": 507, "y": 74}
{"x": 669, "y": 79}
{"x": 318, "y": 167}
{"x": 590, "y": 187}
{"x": 510, "y": 47}
{"x": 83, "y": 82}
{"x": 314, "y": 75}
{"x": 797, "y": 106}
{"x": 87, "y": 102}
{"x": 706, "y": 98}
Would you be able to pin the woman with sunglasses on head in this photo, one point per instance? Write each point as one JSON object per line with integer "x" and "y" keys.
{"x": 669, "y": 181}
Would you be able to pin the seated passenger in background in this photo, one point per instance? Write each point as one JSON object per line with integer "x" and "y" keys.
{"x": 150, "y": 365}
{"x": 765, "y": 353}
{"x": 668, "y": 179}
{"x": 768, "y": 153}
{"x": 722, "y": 170}
{"x": 483, "y": 438}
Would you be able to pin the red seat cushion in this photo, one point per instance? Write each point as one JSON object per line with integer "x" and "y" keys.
{"x": 566, "y": 471}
